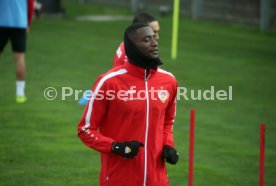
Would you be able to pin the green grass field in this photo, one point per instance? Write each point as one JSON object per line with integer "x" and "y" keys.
{"x": 38, "y": 140}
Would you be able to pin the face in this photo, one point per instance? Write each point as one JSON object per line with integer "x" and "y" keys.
{"x": 156, "y": 28}
{"x": 145, "y": 42}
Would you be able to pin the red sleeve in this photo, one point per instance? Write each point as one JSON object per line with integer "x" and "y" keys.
{"x": 169, "y": 118}
{"x": 88, "y": 128}
{"x": 120, "y": 56}
{"x": 30, "y": 11}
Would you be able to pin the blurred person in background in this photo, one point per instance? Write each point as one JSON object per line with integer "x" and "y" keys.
{"x": 129, "y": 118}
{"x": 15, "y": 21}
{"x": 38, "y": 9}
{"x": 120, "y": 57}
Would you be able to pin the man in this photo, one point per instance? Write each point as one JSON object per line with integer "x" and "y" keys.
{"x": 120, "y": 57}
{"x": 15, "y": 20}
{"x": 129, "y": 118}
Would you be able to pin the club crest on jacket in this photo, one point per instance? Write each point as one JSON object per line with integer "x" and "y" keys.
{"x": 163, "y": 95}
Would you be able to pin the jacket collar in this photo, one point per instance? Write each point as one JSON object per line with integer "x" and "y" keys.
{"x": 139, "y": 71}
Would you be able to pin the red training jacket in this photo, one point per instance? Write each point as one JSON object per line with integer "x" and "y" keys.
{"x": 30, "y": 11}
{"x": 120, "y": 57}
{"x": 130, "y": 104}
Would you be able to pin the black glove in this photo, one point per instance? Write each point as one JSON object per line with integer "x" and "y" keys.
{"x": 170, "y": 154}
{"x": 128, "y": 149}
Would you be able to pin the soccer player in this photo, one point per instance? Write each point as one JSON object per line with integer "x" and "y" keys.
{"x": 15, "y": 21}
{"x": 120, "y": 57}
{"x": 129, "y": 118}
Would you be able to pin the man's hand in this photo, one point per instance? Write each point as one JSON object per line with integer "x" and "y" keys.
{"x": 128, "y": 149}
{"x": 170, "y": 154}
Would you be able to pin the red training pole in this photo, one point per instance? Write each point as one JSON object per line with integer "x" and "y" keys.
{"x": 191, "y": 150}
{"x": 262, "y": 153}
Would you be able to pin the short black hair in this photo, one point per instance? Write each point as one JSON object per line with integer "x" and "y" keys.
{"x": 144, "y": 18}
{"x": 132, "y": 29}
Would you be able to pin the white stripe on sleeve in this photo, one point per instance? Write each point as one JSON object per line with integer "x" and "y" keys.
{"x": 98, "y": 87}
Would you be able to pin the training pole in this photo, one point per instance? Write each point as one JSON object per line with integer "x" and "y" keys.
{"x": 191, "y": 150}
{"x": 262, "y": 153}
{"x": 176, "y": 4}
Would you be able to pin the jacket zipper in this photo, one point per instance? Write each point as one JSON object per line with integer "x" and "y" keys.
{"x": 147, "y": 127}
